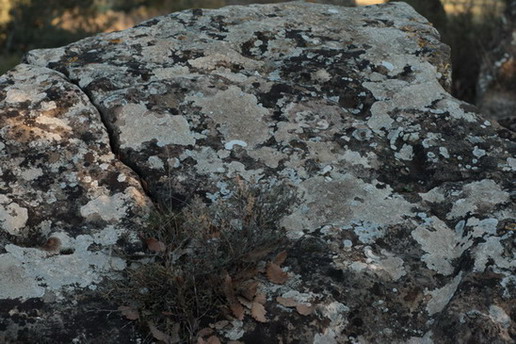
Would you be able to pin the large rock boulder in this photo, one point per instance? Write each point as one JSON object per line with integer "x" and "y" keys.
{"x": 404, "y": 229}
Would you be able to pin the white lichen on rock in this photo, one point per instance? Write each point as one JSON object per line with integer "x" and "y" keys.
{"x": 442, "y": 296}
{"x": 31, "y": 272}
{"x": 138, "y": 125}
{"x": 481, "y": 196}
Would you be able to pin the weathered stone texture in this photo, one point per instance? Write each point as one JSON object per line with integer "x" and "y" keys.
{"x": 405, "y": 231}
{"x": 65, "y": 199}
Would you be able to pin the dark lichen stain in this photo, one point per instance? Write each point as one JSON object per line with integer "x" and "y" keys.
{"x": 149, "y": 23}
{"x": 110, "y": 181}
{"x": 297, "y": 36}
{"x": 311, "y": 258}
{"x": 63, "y": 322}
{"x": 218, "y": 23}
{"x": 277, "y": 91}
{"x": 91, "y": 57}
{"x": 269, "y": 333}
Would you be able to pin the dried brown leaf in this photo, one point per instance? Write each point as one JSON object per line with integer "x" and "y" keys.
{"x": 260, "y": 298}
{"x": 229, "y": 292}
{"x": 162, "y": 336}
{"x": 286, "y": 301}
{"x": 213, "y": 340}
{"x": 275, "y": 274}
{"x": 257, "y": 254}
{"x": 234, "y": 305}
{"x": 280, "y": 258}
{"x": 244, "y": 302}
{"x": 219, "y": 325}
{"x": 205, "y": 332}
{"x": 129, "y": 312}
{"x": 155, "y": 245}
{"x": 304, "y": 309}
{"x": 258, "y": 312}
{"x": 238, "y": 310}
{"x": 246, "y": 274}
{"x": 248, "y": 289}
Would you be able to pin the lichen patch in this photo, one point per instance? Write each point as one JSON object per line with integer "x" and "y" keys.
{"x": 138, "y": 125}
{"x": 237, "y": 114}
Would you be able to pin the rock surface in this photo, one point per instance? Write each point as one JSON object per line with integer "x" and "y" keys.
{"x": 65, "y": 201}
{"x": 405, "y": 228}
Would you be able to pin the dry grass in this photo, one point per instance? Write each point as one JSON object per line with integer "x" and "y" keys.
{"x": 183, "y": 284}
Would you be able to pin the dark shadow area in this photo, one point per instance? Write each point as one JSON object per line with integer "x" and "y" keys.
{"x": 471, "y": 31}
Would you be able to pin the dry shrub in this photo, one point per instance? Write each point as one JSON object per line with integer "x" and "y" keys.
{"x": 200, "y": 252}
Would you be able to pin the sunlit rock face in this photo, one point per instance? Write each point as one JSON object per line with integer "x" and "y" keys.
{"x": 497, "y": 81}
{"x": 404, "y": 229}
